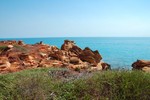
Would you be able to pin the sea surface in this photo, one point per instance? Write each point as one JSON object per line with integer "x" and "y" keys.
{"x": 118, "y": 51}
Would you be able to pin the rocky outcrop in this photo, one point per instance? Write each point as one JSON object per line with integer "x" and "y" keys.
{"x": 71, "y": 46}
{"x": 67, "y": 45}
{"x": 4, "y": 63}
{"x": 90, "y": 56}
{"x": 21, "y": 43}
{"x": 16, "y": 56}
{"x": 142, "y": 65}
{"x": 86, "y": 55}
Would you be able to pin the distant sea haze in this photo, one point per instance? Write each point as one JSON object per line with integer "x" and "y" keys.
{"x": 119, "y": 52}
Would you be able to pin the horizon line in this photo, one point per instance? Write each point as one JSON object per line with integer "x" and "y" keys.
{"x": 78, "y": 37}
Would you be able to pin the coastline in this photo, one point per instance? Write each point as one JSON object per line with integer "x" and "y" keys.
{"x": 16, "y": 56}
{"x": 119, "y": 52}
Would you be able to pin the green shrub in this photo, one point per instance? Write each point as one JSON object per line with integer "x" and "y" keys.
{"x": 107, "y": 85}
{"x": 111, "y": 85}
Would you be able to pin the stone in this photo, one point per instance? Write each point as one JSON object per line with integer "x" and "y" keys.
{"x": 74, "y": 60}
{"x": 43, "y": 54}
{"x": 20, "y": 42}
{"x": 13, "y": 59}
{"x": 10, "y": 46}
{"x": 25, "y": 57}
{"x": 76, "y": 50}
{"x": 90, "y": 56}
{"x": 67, "y": 45}
{"x": 146, "y": 68}
{"x": 99, "y": 66}
{"x": 41, "y": 42}
{"x": 105, "y": 66}
{"x": 139, "y": 64}
{"x": 4, "y": 63}
{"x": 71, "y": 46}
{"x": 57, "y": 55}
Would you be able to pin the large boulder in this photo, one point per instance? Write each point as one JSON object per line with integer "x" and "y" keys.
{"x": 90, "y": 56}
{"x": 74, "y": 60}
{"x": 105, "y": 66}
{"x": 101, "y": 66}
{"x": 141, "y": 65}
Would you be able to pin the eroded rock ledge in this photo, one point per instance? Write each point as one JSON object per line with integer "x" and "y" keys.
{"x": 16, "y": 56}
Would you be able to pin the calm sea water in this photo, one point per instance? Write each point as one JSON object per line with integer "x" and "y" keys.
{"x": 119, "y": 52}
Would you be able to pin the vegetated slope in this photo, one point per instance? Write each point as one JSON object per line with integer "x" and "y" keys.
{"x": 62, "y": 84}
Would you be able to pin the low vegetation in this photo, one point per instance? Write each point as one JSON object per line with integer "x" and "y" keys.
{"x": 20, "y": 48}
{"x": 46, "y": 84}
{"x": 2, "y": 48}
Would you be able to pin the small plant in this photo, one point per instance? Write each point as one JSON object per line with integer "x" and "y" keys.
{"x": 20, "y": 48}
{"x": 2, "y": 48}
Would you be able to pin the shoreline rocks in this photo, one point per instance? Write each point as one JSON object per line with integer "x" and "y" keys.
{"x": 143, "y": 65}
{"x": 16, "y": 56}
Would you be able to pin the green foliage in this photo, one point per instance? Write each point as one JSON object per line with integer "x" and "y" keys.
{"x": 20, "y": 48}
{"x": 2, "y": 48}
{"x": 107, "y": 85}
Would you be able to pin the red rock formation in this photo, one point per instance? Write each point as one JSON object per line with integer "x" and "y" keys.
{"x": 70, "y": 46}
{"x": 21, "y": 43}
{"x": 90, "y": 56}
{"x": 142, "y": 65}
{"x": 4, "y": 63}
{"x": 74, "y": 60}
{"x": 87, "y": 54}
{"x": 16, "y": 56}
{"x": 67, "y": 45}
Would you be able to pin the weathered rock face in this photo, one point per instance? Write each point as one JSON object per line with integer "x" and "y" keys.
{"x": 142, "y": 65}
{"x": 67, "y": 45}
{"x": 21, "y": 43}
{"x": 74, "y": 60}
{"x": 25, "y": 57}
{"x": 105, "y": 66}
{"x": 70, "y": 46}
{"x": 4, "y": 63}
{"x": 15, "y": 56}
{"x": 58, "y": 55}
{"x": 86, "y": 55}
{"x": 90, "y": 56}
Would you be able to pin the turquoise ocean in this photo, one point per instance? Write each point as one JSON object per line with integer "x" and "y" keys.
{"x": 119, "y": 52}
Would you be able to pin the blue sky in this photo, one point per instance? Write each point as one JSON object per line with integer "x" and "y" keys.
{"x": 74, "y": 18}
